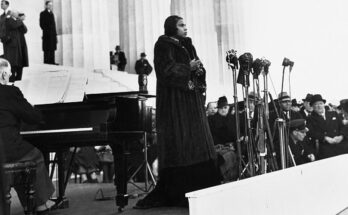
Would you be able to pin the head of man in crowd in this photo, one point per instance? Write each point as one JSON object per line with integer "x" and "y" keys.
{"x": 5, "y": 71}
{"x": 143, "y": 56}
{"x": 49, "y": 5}
{"x": 318, "y": 104}
{"x": 295, "y": 106}
{"x": 222, "y": 106}
{"x": 211, "y": 108}
{"x": 298, "y": 129}
{"x": 5, "y": 4}
{"x": 118, "y": 48}
{"x": 306, "y": 103}
{"x": 284, "y": 101}
{"x": 253, "y": 99}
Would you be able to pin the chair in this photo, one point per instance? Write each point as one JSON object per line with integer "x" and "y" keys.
{"x": 21, "y": 173}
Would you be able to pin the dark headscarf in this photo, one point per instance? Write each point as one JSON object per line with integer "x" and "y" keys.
{"x": 170, "y": 25}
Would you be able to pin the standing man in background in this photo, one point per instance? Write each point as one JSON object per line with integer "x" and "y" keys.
{"x": 143, "y": 68}
{"x": 49, "y": 33}
{"x": 120, "y": 59}
{"x": 15, "y": 48}
{"x": 5, "y": 7}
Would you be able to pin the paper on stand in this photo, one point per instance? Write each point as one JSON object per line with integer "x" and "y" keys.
{"x": 45, "y": 87}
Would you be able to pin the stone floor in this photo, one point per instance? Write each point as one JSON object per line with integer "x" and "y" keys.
{"x": 82, "y": 202}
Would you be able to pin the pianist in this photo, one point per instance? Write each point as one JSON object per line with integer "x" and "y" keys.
{"x": 14, "y": 108}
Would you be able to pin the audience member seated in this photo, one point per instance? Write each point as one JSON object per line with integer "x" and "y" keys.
{"x": 307, "y": 109}
{"x": 301, "y": 150}
{"x": 222, "y": 127}
{"x": 325, "y": 128}
{"x": 85, "y": 163}
{"x": 295, "y": 106}
{"x": 211, "y": 108}
{"x": 106, "y": 161}
{"x": 284, "y": 111}
{"x": 14, "y": 108}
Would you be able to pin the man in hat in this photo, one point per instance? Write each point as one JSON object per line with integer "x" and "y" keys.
{"x": 301, "y": 150}
{"x": 143, "y": 68}
{"x": 284, "y": 111}
{"x": 307, "y": 109}
{"x": 120, "y": 59}
{"x": 222, "y": 125}
{"x": 325, "y": 129}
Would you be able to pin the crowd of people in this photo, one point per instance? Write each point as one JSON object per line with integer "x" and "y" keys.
{"x": 316, "y": 130}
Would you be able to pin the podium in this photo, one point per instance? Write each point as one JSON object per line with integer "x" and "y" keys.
{"x": 320, "y": 187}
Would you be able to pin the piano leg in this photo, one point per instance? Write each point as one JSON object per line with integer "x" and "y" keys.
{"x": 121, "y": 155}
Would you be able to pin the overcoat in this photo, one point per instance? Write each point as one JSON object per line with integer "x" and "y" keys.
{"x": 184, "y": 136}
{"x": 15, "y": 51}
{"x": 49, "y": 32}
{"x": 332, "y": 126}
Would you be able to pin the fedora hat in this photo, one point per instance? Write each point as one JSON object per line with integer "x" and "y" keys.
{"x": 308, "y": 97}
{"x": 222, "y": 102}
{"x": 316, "y": 98}
{"x": 283, "y": 96}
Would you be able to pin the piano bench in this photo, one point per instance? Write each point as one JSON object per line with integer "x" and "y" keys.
{"x": 21, "y": 173}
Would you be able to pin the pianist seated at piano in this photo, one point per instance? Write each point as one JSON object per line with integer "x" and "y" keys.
{"x": 14, "y": 108}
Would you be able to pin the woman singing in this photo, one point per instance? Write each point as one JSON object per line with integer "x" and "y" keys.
{"x": 186, "y": 152}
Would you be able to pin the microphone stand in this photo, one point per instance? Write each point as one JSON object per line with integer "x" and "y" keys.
{"x": 232, "y": 61}
{"x": 235, "y": 97}
{"x": 249, "y": 133}
{"x": 266, "y": 120}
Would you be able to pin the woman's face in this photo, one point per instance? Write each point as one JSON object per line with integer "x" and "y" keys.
{"x": 182, "y": 30}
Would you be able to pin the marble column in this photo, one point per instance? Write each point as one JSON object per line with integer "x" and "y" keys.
{"x": 83, "y": 33}
{"x": 140, "y": 24}
{"x": 199, "y": 17}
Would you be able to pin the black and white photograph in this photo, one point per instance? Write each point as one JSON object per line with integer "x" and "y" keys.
{"x": 173, "y": 107}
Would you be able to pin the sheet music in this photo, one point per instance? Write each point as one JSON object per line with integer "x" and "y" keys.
{"x": 45, "y": 87}
{"x": 77, "y": 87}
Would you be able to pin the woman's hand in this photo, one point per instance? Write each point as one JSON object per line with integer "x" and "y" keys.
{"x": 194, "y": 64}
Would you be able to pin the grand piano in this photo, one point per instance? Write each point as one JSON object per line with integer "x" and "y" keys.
{"x": 112, "y": 118}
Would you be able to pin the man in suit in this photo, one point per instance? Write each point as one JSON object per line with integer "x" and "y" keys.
{"x": 300, "y": 149}
{"x": 15, "y": 50}
{"x": 49, "y": 33}
{"x": 284, "y": 110}
{"x": 325, "y": 128}
{"x": 120, "y": 59}
{"x": 143, "y": 68}
{"x": 14, "y": 109}
{"x": 222, "y": 125}
{"x": 5, "y": 7}
{"x": 307, "y": 109}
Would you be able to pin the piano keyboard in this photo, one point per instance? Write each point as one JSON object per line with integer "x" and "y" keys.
{"x": 68, "y": 130}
